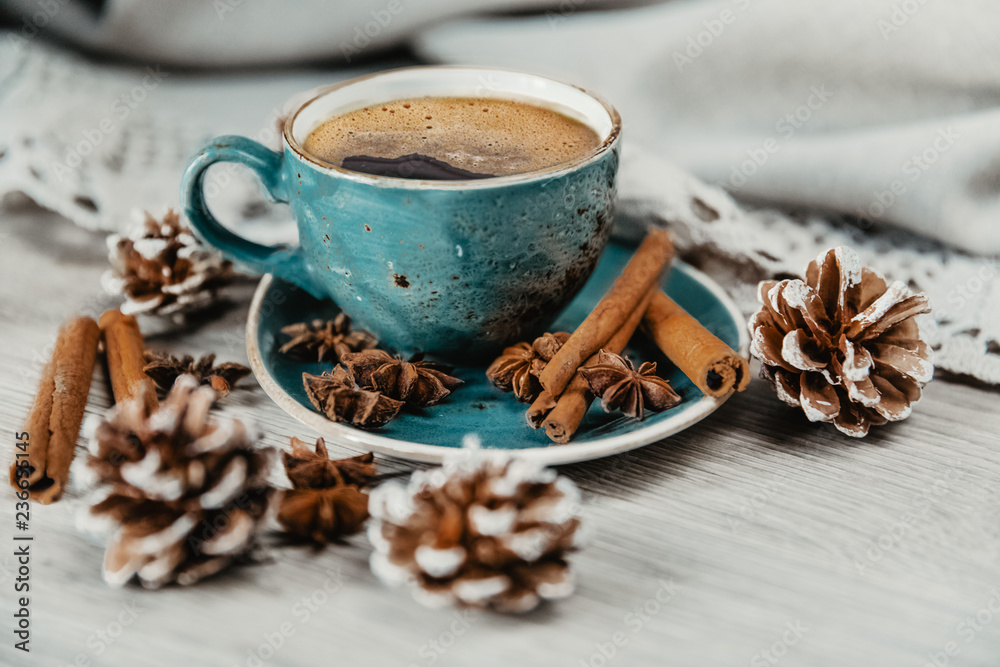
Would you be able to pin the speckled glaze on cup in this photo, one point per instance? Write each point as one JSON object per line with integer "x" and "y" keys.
{"x": 450, "y": 268}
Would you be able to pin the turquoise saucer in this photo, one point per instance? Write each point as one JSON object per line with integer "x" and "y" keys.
{"x": 477, "y": 407}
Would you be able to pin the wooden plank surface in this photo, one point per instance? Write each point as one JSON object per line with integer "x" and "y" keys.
{"x": 754, "y": 538}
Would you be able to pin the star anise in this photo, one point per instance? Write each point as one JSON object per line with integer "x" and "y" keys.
{"x": 624, "y": 389}
{"x": 326, "y": 340}
{"x": 327, "y": 501}
{"x": 415, "y": 381}
{"x": 518, "y": 367}
{"x": 164, "y": 368}
{"x": 511, "y": 371}
{"x": 308, "y": 469}
{"x": 338, "y": 396}
{"x": 323, "y": 515}
{"x": 545, "y": 347}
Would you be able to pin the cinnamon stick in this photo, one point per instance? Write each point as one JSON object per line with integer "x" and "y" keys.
{"x": 37, "y": 425}
{"x": 540, "y": 408}
{"x": 53, "y": 425}
{"x": 123, "y": 350}
{"x": 565, "y": 416}
{"x": 711, "y": 365}
{"x": 642, "y": 272}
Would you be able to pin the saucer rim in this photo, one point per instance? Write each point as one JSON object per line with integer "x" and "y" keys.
{"x": 551, "y": 454}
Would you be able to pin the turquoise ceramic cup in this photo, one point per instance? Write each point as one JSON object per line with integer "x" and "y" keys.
{"x": 455, "y": 269}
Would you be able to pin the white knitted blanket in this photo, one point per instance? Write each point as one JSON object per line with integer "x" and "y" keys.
{"x": 98, "y": 142}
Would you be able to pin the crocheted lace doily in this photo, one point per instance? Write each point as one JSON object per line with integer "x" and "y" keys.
{"x": 77, "y": 139}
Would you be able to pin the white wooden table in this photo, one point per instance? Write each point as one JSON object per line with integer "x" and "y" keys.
{"x": 753, "y": 538}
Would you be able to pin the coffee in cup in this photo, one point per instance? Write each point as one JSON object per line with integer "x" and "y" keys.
{"x": 451, "y": 138}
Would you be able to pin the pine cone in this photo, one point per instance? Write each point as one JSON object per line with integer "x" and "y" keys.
{"x": 184, "y": 495}
{"x": 160, "y": 268}
{"x": 842, "y": 344}
{"x": 479, "y": 532}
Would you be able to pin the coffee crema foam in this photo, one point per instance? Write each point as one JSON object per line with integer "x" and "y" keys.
{"x": 481, "y": 135}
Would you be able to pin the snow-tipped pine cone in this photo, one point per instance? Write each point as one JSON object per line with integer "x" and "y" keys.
{"x": 160, "y": 268}
{"x": 182, "y": 495}
{"x": 479, "y": 532}
{"x": 842, "y": 344}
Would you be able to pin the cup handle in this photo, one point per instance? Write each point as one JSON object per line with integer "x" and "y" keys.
{"x": 281, "y": 260}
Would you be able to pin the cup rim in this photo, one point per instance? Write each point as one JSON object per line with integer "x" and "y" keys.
{"x": 560, "y": 169}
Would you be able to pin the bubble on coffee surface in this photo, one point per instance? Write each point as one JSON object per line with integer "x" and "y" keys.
{"x": 475, "y": 135}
